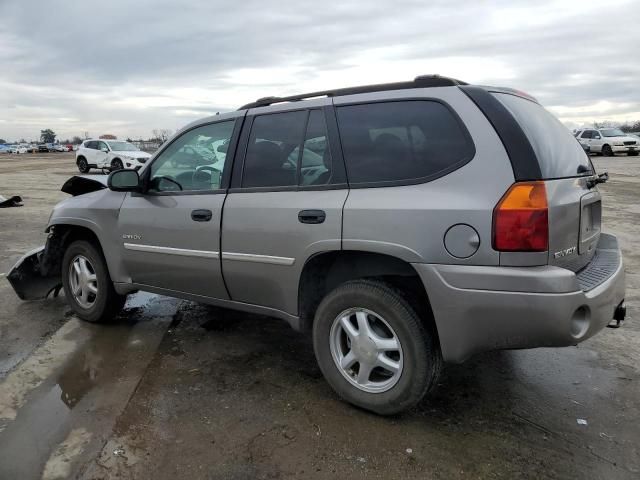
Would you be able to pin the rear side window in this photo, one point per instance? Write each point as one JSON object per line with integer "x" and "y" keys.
{"x": 396, "y": 141}
{"x": 586, "y": 134}
{"x": 288, "y": 149}
{"x": 558, "y": 152}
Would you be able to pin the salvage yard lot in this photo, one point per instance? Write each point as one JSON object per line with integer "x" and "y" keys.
{"x": 176, "y": 389}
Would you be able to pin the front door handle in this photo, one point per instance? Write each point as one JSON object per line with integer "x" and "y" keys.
{"x": 201, "y": 215}
{"x": 311, "y": 216}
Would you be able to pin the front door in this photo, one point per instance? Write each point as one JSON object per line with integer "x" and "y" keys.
{"x": 286, "y": 208}
{"x": 171, "y": 234}
{"x": 596, "y": 141}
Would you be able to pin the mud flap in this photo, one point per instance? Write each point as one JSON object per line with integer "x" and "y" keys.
{"x": 27, "y": 278}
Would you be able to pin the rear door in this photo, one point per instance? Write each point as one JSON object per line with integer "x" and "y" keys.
{"x": 89, "y": 151}
{"x": 285, "y": 205}
{"x": 101, "y": 153}
{"x": 574, "y": 207}
{"x": 585, "y": 138}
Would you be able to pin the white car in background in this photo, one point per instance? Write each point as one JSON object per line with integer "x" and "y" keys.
{"x": 60, "y": 148}
{"x": 18, "y": 149}
{"x": 608, "y": 141}
{"x": 109, "y": 154}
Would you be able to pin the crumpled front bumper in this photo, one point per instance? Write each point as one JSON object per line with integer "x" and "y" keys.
{"x": 30, "y": 280}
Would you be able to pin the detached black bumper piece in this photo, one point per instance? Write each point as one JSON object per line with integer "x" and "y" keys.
{"x": 32, "y": 282}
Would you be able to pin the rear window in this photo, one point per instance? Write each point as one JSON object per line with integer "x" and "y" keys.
{"x": 396, "y": 141}
{"x": 558, "y": 151}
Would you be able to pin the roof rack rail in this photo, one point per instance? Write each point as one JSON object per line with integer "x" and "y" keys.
{"x": 422, "y": 81}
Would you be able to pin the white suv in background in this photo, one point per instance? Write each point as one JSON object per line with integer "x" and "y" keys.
{"x": 109, "y": 154}
{"x": 608, "y": 141}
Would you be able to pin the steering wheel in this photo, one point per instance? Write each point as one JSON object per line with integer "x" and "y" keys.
{"x": 207, "y": 168}
{"x": 157, "y": 180}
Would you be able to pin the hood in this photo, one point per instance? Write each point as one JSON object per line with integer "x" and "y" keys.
{"x": 620, "y": 138}
{"x": 81, "y": 184}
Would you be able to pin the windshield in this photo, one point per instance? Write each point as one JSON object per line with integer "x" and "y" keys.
{"x": 122, "y": 147}
{"x": 612, "y": 132}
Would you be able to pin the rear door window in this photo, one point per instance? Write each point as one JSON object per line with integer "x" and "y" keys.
{"x": 414, "y": 140}
{"x": 559, "y": 153}
{"x": 273, "y": 138}
{"x": 288, "y": 149}
{"x": 315, "y": 166}
{"x": 586, "y": 134}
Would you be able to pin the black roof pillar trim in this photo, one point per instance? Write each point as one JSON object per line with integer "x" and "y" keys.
{"x": 523, "y": 158}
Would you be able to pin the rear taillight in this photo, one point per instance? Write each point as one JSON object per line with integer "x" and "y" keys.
{"x": 521, "y": 220}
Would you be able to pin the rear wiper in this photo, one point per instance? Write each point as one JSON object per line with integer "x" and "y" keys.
{"x": 593, "y": 181}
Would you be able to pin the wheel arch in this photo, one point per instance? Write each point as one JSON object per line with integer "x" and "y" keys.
{"x": 80, "y": 157}
{"x": 325, "y": 271}
{"x": 62, "y": 234}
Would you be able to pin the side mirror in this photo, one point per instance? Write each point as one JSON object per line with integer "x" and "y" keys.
{"x": 104, "y": 149}
{"x": 597, "y": 137}
{"x": 124, "y": 181}
{"x": 223, "y": 148}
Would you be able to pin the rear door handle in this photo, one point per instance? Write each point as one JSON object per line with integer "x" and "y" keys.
{"x": 201, "y": 215}
{"x": 311, "y": 216}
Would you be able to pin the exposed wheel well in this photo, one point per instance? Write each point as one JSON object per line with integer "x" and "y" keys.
{"x": 60, "y": 237}
{"x": 326, "y": 271}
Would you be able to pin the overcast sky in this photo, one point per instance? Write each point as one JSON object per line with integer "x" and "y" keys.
{"x": 129, "y": 66}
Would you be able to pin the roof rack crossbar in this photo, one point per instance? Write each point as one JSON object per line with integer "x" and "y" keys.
{"x": 423, "y": 81}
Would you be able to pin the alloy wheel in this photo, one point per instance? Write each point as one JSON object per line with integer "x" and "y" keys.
{"x": 366, "y": 350}
{"x": 83, "y": 281}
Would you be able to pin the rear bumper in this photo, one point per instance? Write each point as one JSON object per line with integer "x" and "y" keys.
{"x": 478, "y": 309}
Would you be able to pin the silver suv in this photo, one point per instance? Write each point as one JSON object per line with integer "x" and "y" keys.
{"x": 402, "y": 224}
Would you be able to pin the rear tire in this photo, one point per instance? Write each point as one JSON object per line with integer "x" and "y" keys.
{"x": 393, "y": 379}
{"x": 87, "y": 284}
{"x": 632, "y": 154}
{"x": 606, "y": 151}
{"x": 83, "y": 166}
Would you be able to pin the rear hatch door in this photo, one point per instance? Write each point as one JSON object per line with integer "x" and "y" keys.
{"x": 574, "y": 207}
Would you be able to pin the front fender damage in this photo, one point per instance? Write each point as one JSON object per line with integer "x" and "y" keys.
{"x": 38, "y": 273}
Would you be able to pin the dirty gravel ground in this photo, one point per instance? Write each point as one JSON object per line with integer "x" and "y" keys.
{"x": 174, "y": 389}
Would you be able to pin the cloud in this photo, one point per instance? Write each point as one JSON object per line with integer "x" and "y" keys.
{"x": 127, "y": 67}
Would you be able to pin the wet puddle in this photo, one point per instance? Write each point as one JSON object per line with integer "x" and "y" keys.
{"x": 79, "y": 380}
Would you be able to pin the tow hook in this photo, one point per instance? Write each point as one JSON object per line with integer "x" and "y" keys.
{"x": 618, "y": 315}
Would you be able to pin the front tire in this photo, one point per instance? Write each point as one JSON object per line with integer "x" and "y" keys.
{"x": 632, "y": 154}
{"x": 117, "y": 164}
{"x": 87, "y": 284}
{"x": 373, "y": 349}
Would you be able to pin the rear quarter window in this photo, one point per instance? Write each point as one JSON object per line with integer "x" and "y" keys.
{"x": 557, "y": 150}
{"x": 410, "y": 141}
